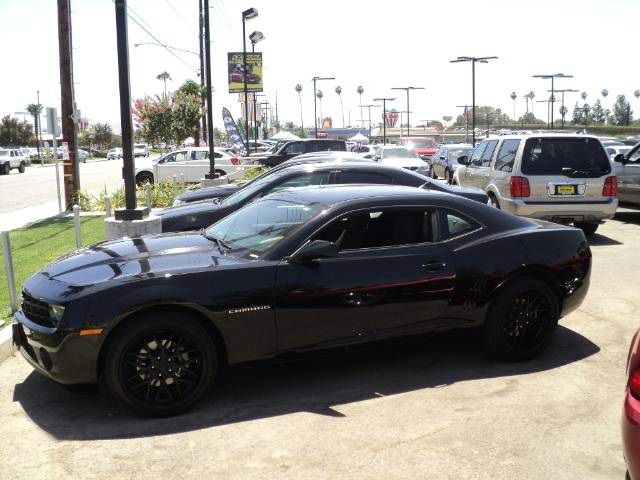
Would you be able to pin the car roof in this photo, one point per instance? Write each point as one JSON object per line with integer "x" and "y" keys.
{"x": 457, "y": 145}
{"x": 346, "y": 164}
{"x": 520, "y": 136}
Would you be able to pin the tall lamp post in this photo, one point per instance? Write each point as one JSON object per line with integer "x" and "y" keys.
{"x": 513, "y": 97}
{"x": 255, "y": 37}
{"x": 466, "y": 121}
{"x": 369, "y": 108}
{"x": 473, "y": 61}
{"x": 315, "y": 106}
{"x": 384, "y": 101}
{"x": 407, "y": 89}
{"x": 563, "y": 108}
{"x": 552, "y": 99}
{"x": 207, "y": 73}
{"x": 246, "y": 15}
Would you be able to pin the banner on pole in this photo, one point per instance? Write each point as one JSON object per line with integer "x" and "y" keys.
{"x": 237, "y": 72}
{"x": 235, "y": 137}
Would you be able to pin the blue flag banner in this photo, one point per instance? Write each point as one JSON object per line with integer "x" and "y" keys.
{"x": 235, "y": 137}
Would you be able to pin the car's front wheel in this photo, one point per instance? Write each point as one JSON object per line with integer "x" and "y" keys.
{"x": 144, "y": 177}
{"x": 5, "y": 169}
{"x": 160, "y": 364}
{"x": 521, "y": 320}
{"x": 587, "y": 228}
{"x": 22, "y": 167}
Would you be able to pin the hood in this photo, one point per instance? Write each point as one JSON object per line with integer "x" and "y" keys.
{"x": 127, "y": 259}
{"x": 220, "y": 191}
{"x": 193, "y": 208}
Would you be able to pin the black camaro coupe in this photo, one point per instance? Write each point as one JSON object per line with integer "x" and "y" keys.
{"x": 157, "y": 317}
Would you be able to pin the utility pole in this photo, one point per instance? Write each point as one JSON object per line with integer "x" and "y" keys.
{"x": 207, "y": 50}
{"x": 69, "y": 122}
{"x": 202, "y": 71}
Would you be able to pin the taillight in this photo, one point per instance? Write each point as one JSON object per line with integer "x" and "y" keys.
{"x": 519, "y": 187}
{"x": 610, "y": 188}
{"x": 634, "y": 383}
{"x": 234, "y": 161}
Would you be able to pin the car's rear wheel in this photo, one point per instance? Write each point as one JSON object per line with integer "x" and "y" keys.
{"x": 144, "y": 177}
{"x": 521, "y": 320}
{"x": 432, "y": 172}
{"x": 493, "y": 201}
{"x": 589, "y": 228}
{"x": 221, "y": 173}
{"x": 5, "y": 169}
{"x": 449, "y": 177}
{"x": 22, "y": 167}
{"x": 160, "y": 364}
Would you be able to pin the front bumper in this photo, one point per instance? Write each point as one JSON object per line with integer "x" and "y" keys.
{"x": 562, "y": 212}
{"x": 62, "y": 355}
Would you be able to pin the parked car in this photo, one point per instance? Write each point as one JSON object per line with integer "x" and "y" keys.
{"x": 11, "y": 158}
{"x": 26, "y": 154}
{"x": 140, "y": 150}
{"x": 627, "y": 168}
{"x": 631, "y": 411}
{"x": 423, "y": 146}
{"x": 297, "y": 147}
{"x": 202, "y": 214}
{"x": 156, "y": 318}
{"x": 631, "y": 142}
{"x": 445, "y": 161}
{"x": 192, "y": 162}
{"x": 561, "y": 178}
{"x": 219, "y": 192}
{"x": 114, "y": 154}
{"x": 399, "y": 156}
{"x": 82, "y": 155}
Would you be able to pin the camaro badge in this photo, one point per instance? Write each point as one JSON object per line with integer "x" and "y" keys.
{"x": 249, "y": 309}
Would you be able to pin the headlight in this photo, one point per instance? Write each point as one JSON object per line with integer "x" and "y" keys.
{"x": 56, "y": 311}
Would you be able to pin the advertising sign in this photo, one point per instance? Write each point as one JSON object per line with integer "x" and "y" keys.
{"x": 237, "y": 73}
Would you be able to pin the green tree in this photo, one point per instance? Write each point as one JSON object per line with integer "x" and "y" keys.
{"x": 576, "y": 118}
{"x": 164, "y": 76}
{"x": 102, "y": 134}
{"x": 14, "y": 133}
{"x": 598, "y": 114}
{"x": 530, "y": 119}
{"x": 186, "y": 111}
{"x": 35, "y": 109}
{"x": 194, "y": 89}
{"x": 622, "y": 113}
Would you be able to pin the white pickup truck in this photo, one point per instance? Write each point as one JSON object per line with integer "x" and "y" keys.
{"x": 12, "y": 158}
{"x": 192, "y": 163}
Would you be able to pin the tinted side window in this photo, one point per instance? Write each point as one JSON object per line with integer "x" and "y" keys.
{"x": 477, "y": 154}
{"x": 580, "y": 157}
{"x": 379, "y": 228}
{"x": 200, "y": 155}
{"x": 634, "y": 156}
{"x": 303, "y": 180}
{"x": 295, "y": 148}
{"x": 454, "y": 224}
{"x": 506, "y": 155}
{"x": 488, "y": 152}
{"x": 355, "y": 176}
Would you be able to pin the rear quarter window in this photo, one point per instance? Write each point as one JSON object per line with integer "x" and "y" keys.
{"x": 575, "y": 157}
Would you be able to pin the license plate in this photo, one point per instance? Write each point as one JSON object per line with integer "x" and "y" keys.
{"x": 566, "y": 190}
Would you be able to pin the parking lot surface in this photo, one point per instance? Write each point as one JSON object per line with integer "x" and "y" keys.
{"x": 433, "y": 408}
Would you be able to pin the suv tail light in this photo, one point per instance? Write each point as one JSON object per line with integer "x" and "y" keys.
{"x": 610, "y": 188}
{"x": 520, "y": 187}
{"x": 634, "y": 384}
{"x": 234, "y": 161}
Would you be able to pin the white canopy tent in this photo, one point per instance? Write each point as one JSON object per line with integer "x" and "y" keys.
{"x": 284, "y": 135}
{"x": 359, "y": 138}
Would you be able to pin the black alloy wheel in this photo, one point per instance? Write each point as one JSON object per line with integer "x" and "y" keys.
{"x": 144, "y": 177}
{"x": 521, "y": 320}
{"x": 161, "y": 367}
{"x": 21, "y": 168}
{"x": 6, "y": 169}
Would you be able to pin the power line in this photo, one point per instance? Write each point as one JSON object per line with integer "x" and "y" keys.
{"x": 180, "y": 17}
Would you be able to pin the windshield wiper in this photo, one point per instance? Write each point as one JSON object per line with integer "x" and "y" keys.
{"x": 223, "y": 246}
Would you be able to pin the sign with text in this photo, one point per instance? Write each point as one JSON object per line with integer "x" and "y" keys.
{"x": 237, "y": 72}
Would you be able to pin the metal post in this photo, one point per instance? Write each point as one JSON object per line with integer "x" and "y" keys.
{"x": 8, "y": 266}
{"x": 173, "y": 186}
{"x": 55, "y": 156}
{"x": 76, "y": 224}
{"x": 182, "y": 182}
{"x": 315, "y": 112}
{"x": 207, "y": 51}
{"x": 244, "y": 75}
{"x": 202, "y": 71}
{"x": 384, "y": 121}
{"x": 552, "y": 100}
{"x": 473, "y": 103}
{"x": 408, "y": 127}
{"x": 107, "y": 206}
{"x": 147, "y": 193}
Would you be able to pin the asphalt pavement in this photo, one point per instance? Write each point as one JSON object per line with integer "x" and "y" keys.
{"x": 436, "y": 408}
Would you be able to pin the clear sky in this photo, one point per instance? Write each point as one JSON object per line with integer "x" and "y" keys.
{"x": 375, "y": 44}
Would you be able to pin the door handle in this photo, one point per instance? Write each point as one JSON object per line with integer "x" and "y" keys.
{"x": 434, "y": 266}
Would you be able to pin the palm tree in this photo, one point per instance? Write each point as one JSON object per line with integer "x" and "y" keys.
{"x": 584, "y": 95}
{"x": 513, "y": 97}
{"x": 299, "y": 90}
{"x": 164, "y": 76}
{"x": 637, "y": 94}
{"x": 604, "y": 92}
{"x": 360, "y": 91}
{"x": 319, "y": 94}
{"x": 526, "y": 101}
{"x": 339, "y": 92}
{"x": 531, "y": 97}
{"x": 35, "y": 109}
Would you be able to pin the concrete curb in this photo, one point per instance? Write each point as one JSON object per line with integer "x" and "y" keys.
{"x": 6, "y": 345}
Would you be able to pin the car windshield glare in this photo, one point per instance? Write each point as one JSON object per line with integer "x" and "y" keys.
{"x": 260, "y": 226}
{"x": 397, "y": 153}
{"x": 422, "y": 144}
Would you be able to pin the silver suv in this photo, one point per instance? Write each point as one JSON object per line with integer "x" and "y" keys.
{"x": 11, "y": 158}
{"x": 561, "y": 178}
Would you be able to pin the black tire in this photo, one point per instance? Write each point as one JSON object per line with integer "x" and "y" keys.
{"x": 152, "y": 385}
{"x": 5, "y": 169}
{"x": 450, "y": 177}
{"x": 144, "y": 177}
{"x": 588, "y": 228}
{"x": 521, "y": 320}
{"x": 432, "y": 172}
{"x": 221, "y": 173}
{"x": 494, "y": 201}
{"x": 22, "y": 167}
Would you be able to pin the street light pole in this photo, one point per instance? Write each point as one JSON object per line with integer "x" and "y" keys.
{"x": 384, "y": 101}
{"x": 255, "y": 37}
{"x": 473, "y": 61}
{"x": 315, "y": 111}
{"x": 207, "y": 74}
{"x": 563, "y": 91}
{"x": 407, "y": 90}
{"x": 246, "y": 15}
{"x": 552, "y": 76}
{"x": 369, "y": 108}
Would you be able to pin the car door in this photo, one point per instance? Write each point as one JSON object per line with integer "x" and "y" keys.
{"x": 472, "y": 169}
{"x": 483, "y": 174}
{"x": 628, "y": 173}
{"x": 388, "y": 279}
{"x": 172, "y": 164}
{"x": 503, "y": 165}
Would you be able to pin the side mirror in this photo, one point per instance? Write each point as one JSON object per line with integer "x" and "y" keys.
{"x": 442, "y": 157}
{"x": 463, "y": 160}
{"x": 313, "y": 251}
{"x": 620, "y": 158}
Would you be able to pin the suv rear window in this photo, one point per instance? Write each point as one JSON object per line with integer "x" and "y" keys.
{"x": 573, "y": 157}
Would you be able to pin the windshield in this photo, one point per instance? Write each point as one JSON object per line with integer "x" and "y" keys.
{"x": 575, "y": 157}
{"x": 140, "y": 145}
{"x": 397, "y": 153}
{"x": 421, "y": 143}
{"x": 4, "y": 153}
{"x": 259, "y": 226}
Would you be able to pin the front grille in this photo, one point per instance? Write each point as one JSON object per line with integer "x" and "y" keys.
{"x": 36, "y": 311}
